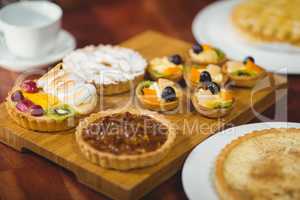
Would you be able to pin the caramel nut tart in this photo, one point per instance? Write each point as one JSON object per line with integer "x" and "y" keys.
{"x": 206, "y": 54}
{"x": 268, "y": 21}
{"x": 55, "y": 102}
{"x": 263, "y": 164}
{"x": 160, "y": 95}
{"x": 211, "y": 101}
{"x": 112, "y": 69}
{"x": 244, "y": 74}
{"x": 166, "y": 67}
{"x": 125, "y": 139}
{"x": 196, "y": 75}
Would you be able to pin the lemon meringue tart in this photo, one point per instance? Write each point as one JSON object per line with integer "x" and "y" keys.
{"x": 168, "y": 67}
{"x": 206, "y": 54}
{"x": 244, "y": 74}
{"x": 212, "y": 101}
{"x": 264, "y": 164}
{"x": 112, "y": 69}
{"x": 160, "y": 95}
{"x": 196, "y": 75}
{"x": 125, "y": 139}
{"x": 54, "y": 102}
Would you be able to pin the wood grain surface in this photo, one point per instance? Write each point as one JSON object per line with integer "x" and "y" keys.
{"x": 27, "y": 176}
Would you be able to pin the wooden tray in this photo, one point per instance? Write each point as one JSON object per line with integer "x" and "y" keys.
{"x": 61, "y": 148}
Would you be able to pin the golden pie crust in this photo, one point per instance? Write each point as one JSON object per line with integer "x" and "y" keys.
{"x": 263, "y": 164}
{"x": 268, "y": 21}
{"x": 124, "y": 161}
{"x": 247, "y": 82}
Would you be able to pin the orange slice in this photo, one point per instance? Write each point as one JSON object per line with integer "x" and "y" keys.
{"x": 42, "y": 99}
{"x": 150, "y": 96}
{"x": 253, "y": 67}
{"x": 207, "y": 47}
{"x": 226, "y": 95}
{"x": 195, "y": 74}
{"x": 172, "y": 71}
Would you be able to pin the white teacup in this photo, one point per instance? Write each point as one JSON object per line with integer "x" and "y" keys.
{"x": 30, "y": 28}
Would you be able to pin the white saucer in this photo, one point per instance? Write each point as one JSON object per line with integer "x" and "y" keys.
{"x": 197, "y": 174}
{"x": 212, "y": 25}
{"x": 65, "y": 44}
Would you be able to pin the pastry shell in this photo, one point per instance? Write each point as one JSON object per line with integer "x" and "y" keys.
{"x": 124, "y": 162}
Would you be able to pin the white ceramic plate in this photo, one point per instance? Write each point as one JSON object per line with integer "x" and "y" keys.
{"x": 212, "y": 25}
{"x": 197, "y": 174}
{"x": 65, "y": 44}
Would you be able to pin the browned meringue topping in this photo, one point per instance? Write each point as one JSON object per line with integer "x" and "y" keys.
{"x": 126, "y": 133}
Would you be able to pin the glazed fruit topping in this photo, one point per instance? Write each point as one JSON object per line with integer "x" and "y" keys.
{"x": 24, "y": 105}
{"x": 62, "y": 111}
{"x": 168, "y": 94}
{"x": 205, "y": 76}
{"x": 197, "y": 48}
{"x": 249, "y": 58}
{"x": 29, "y": 86}
{"x": 213, "y": 87}
{"x": 17, "y": 96}
{"x": 176, "y": 59}
{"x": 36, "y": 110}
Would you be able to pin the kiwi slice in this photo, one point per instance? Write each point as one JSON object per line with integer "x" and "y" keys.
{"x": 60, "y": 112}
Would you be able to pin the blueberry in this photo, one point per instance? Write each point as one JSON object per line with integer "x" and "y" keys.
{"x": 168, "y": 94}
{"x": 17, "y": 96}
{"x": 249, "y": 58}
{"x": 197, "y": 48}
{"x": 205, "y": 76}
{"x": 213, "y": 87}
{"x": 176, "y": 59}
{"x": 36, "y": 110}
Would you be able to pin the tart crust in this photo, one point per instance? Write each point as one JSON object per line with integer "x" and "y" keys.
{"x": 210, "y": 113}
{"x": 247, "y": 82}
{"x": 225, "y": 191}
{"x": 124, "y": 162}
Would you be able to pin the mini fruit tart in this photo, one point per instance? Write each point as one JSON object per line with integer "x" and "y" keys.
{"x": 197, "y": 75}
{"x": 125, "y": 139}
{"x": 206, "y": 54}
{"x": 211, "y": 101}
{"x": 244, "y": 74}
{"x": 166, "y": 67}
{"x": 160, "y": 95}
{"x": 55, "y": 102}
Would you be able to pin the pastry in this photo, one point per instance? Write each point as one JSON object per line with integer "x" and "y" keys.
{"x": 55, "y": 102}
{"x": 166, "y": 67}
{"x": 196, "y": 75}
{"x": 211, "y": 101}
{"x": 268, "y": 21}
{"x": 160, "y": 95}
{"x": 263, "y": 165}
{"x": 125, "y": 139}
{"x": 206, "y": 54}
{"x": 112, "y": 69}
{"x": 244, "y": 74}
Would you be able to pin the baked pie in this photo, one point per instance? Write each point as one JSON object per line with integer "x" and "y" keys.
{"x": 196, "y": 75}
{"x": 160, "y": 95}
{"x": 244, "y": 74}
{"x": 125, "y": 139}
{"x": 263, "y": 164}
{"x": 206, "y": 54}
{"x": 268, "y": 21}
{"x": 212, "y": 101}
{"x": 112, "y": 69}
{"x": 170, "y": 67}
{"x": 54, "y": 102}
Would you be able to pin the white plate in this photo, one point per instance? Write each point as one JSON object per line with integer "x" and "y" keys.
{"x": 197, "y": 174}
{"x": 212, "y": 25}
{"x": 65, "y": 44}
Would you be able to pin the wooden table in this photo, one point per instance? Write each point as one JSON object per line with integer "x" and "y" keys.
{"x": 27, "y": 176}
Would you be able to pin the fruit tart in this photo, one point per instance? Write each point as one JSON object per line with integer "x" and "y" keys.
{"x": 55, "y": 102}
{"x": 166, "y": 67}
{"x": 112, "y": 69}
{"x": 125, "y": 139}
{"x": 160, "y": 95}
{"x": 197, "y": 75}
{"x": 206, "y": 54}
{"x": 263, "y": 164}
{"x": 244, "y": 74}
{"x": 211, "y": 101}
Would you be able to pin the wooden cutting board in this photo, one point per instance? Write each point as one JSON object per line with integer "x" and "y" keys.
{"x": 61, "y": 148}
